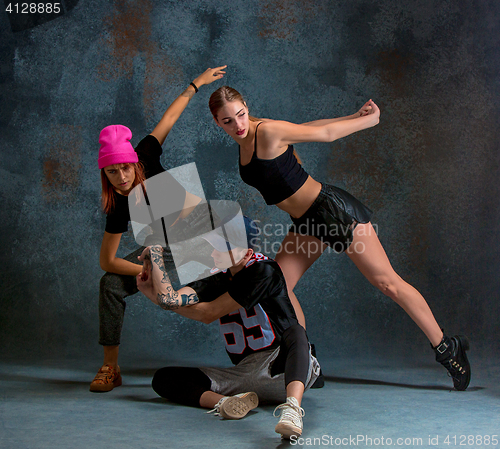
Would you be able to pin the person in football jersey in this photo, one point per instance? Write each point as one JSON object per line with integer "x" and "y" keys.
{"x": 247, "y": 293}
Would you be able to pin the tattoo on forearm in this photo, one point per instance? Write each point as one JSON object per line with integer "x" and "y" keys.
{"x": 188, "y": 93}
{"x": 157, "y": 259}
{"x": 172, "y": 301}
{"x": 168, "y": 299}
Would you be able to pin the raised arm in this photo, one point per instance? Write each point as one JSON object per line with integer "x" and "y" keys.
{"x": 175, "y": 110}
{"x": 154, "y": 282}
{"x": 276, "y": 134}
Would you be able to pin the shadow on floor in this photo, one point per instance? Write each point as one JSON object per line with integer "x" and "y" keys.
{"x": 63, "y": 383}
{"x": 148, "y": 373}
{"x": 352, "y": 381}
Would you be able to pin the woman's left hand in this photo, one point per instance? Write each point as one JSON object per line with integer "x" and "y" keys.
{"x": 368, "y": 108}
{"x": 210, "y": 75}
{"x": 365, "y": 109}
{"x": 371, "y": 110}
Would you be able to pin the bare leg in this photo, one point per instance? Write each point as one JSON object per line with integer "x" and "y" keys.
{"x": 209, "y": 399}
{"x": 367, "y": 253}
{"x": 296, "y": 254}
{"x": 111, "y": 356}
{"x": 290, "y": 423}
{"x": 295, "y": 389}
{"x": 108, "y": 376}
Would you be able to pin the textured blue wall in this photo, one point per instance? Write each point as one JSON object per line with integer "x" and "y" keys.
{"x": 429, "y": 170}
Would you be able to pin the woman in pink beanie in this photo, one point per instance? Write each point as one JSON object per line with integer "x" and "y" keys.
{"x": 122, "y": 168}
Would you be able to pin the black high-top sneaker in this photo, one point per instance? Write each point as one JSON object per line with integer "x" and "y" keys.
{"x": 451, "y": 354}
{"x": 320, "y": 381}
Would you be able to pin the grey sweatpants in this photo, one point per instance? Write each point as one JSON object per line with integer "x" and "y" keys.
{"x": 253, "y": 373}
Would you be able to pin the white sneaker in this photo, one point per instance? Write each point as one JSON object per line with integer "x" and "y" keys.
{"x": 237, "y": 406}
{"x": 290, "y": 422}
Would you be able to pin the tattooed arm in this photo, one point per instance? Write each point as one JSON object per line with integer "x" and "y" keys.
{"x": 154, "y": 282}
{"x": 207, "y": 312}
{"x": 175, "y": 110}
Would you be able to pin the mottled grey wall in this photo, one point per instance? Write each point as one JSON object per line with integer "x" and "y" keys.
{"x": 429, "y": 170}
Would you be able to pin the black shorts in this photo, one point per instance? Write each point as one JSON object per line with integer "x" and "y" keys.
{"x": 332, "y": 218}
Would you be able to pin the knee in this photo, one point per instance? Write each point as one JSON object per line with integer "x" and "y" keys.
{"x": 181, "y": 385}
{"x": 389, "y": 286}
{"x": 294, "y": 335}
{"x": 118, "y": 284}
{"x": 108, "y": 279}
{"x": 162, "y": 382}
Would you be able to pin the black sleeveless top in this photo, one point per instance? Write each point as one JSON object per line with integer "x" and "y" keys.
{"x": 276, "y": 179}
{"x": 148, "y": 151}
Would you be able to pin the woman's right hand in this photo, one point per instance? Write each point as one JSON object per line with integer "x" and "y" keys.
{"x": 209, "y": 76}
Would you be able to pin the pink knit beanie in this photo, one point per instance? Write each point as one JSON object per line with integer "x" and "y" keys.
{"x": 116, "y": 147}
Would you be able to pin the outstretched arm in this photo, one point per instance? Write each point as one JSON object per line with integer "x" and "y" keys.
{"x": 175, "y": 110}
{"x": 154, "y": 282}
{"x": 365, "y": 110}
{"x": 276, "y": 134}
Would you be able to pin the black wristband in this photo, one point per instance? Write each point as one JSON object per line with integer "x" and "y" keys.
{"x": 195, "y": 88}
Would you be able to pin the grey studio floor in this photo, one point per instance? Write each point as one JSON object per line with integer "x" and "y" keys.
{"x": 364, "y": 403}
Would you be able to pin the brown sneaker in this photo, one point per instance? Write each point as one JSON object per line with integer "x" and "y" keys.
{"x": 106, "y": 379}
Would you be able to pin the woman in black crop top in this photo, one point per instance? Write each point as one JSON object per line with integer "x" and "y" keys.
{"x": 324, "y": 215}
{"x": 122, "y": 169}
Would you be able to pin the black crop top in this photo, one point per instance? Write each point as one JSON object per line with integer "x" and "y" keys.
{"x": 276, "y": 179}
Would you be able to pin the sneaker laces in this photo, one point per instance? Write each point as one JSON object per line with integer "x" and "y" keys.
{"x": 103, "y": 375}
{"x": 289, "y": 412}
{"x": 217, "y": 407}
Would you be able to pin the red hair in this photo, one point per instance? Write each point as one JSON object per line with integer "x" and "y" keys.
{"x": 108, "y": 191}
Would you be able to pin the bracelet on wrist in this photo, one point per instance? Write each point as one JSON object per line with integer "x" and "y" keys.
{"x": 195, "y": 88}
